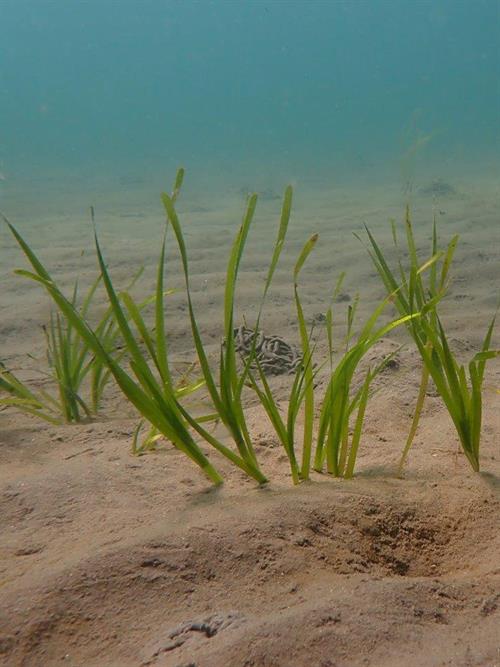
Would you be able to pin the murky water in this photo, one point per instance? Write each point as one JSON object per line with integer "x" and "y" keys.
{"x": 103, "y": 99}
{"x": 361, "y": 105}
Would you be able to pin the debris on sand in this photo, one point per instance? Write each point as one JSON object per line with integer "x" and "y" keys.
{"x": 274, "y": 355}
{"x": 438, "y": 188}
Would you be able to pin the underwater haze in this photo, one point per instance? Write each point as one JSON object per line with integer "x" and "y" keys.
{"x": 242, "y": 92}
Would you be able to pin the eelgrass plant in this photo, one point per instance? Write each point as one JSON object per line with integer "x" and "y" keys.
{"x": 226, "y": 398}
{"x": 72, "y": 363}
{"x": 20, "y": 396}
{"x": 302, "y": 389}
{"x": 343, "y": 408}
{"x": 155, "y": 400}
{"x": 341, "y": 401}
{"x": 459, "y": 385}
{"x": 150, "y": 388}
{"x": 71, "y": 360}
{"x": 226, "y": 394}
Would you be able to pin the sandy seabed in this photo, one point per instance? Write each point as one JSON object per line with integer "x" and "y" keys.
{"x": 113, "y": 561}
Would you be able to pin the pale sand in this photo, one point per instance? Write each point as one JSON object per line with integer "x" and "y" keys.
{"x": 105, "y": 558}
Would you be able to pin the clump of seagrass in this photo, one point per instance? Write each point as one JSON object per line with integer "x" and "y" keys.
{"x": 459, "y": 385}
{"x": 272, "y": 353}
